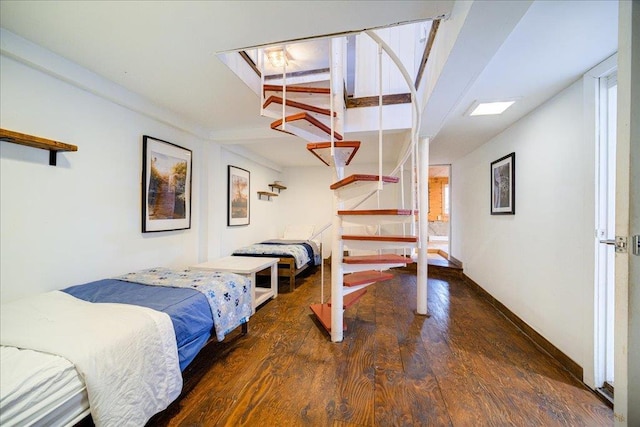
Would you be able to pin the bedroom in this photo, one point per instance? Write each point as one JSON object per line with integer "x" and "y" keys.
{"x": 80, "y": 221}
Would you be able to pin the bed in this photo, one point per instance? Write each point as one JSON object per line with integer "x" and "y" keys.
{"x": 63, "y": 356}
{"x": 296, "y": 252}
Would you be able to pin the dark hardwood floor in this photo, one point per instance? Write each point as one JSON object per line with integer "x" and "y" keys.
{"x": 465, "y": 365}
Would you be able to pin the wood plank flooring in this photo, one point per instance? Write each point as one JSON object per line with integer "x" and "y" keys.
{"x": 465, "y": 365}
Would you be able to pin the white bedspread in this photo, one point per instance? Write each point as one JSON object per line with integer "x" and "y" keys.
{"x": 127, "y": 355}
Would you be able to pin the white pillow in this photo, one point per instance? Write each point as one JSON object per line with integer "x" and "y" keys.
{"x": 298, "y": 232}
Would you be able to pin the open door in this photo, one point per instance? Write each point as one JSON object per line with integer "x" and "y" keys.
{"x": 627, "y": 262}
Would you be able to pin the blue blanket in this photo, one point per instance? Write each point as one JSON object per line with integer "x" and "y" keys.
{"x": 188, "y": 309}
{"x": 306, "y": 246}
{"x": 301, "y": 251}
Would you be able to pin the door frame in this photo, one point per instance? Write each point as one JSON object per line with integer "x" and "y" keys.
{"x": 594, "y": 132}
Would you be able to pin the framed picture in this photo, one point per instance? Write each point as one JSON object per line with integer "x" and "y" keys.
{"x": 238, "y": 196}
{"x": 503, "y": 185}
{"x": 166, "y": 186}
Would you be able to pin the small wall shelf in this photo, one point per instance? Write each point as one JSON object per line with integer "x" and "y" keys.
{"x": 267, "y": 194}
{"x": 277, "y": 186}
{"x": 37, "y": 142}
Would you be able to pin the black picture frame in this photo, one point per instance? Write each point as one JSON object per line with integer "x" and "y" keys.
{"x": 238, "y": 196}
{"x": 166, "y": 186}
{"x": 503, "y": 185}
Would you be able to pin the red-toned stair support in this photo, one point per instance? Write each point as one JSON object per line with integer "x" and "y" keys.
{"x": 377, "y": 259}
{"x": 323, "y": 311}
{"x": 365, "y": 277}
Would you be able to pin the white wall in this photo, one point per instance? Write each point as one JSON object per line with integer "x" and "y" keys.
{"x": 308, "y": 199}
{"x": 79, "y": 221}
{"x": 539, "y": 262}
{"x": 264, "y": 215}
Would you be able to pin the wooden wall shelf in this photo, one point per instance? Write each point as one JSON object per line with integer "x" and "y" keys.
{"x": 37, "y": 142}
{"x": 277, "y": 186}
{"x": 267, "y": 194}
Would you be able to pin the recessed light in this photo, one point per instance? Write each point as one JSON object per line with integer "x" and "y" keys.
{"x": 489, "y": 108}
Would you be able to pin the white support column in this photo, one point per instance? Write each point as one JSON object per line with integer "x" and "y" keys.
{"x": 337, "y": 275}
{"x": 336, "y": 81}
{"x": 423, "y": 197}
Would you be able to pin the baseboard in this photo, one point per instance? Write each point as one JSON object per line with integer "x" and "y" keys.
{"x": 455, "y": 261}
{"x": 571, "y": 366}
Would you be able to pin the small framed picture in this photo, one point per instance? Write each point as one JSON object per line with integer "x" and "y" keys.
{"x": 503, "y": 185}
{"x": 238, "y": 196}
{"x": 166, "y": 186}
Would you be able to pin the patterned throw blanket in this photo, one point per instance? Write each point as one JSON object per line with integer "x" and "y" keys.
{"x": 297, "y": 252}
{"x": 229, "y": 294}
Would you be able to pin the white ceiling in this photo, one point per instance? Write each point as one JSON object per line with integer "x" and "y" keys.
{"x": 551, "y": 47}
{"x": 166, "y": 52}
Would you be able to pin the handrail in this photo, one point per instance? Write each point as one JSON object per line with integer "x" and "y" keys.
{"x": 415, "y": 122}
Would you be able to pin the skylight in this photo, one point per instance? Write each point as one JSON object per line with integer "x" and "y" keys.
{"x": 490, "y": 108}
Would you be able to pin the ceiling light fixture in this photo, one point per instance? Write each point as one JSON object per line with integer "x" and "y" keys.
{"x": 278, "y": 57}
{"x": 489, "y": 108}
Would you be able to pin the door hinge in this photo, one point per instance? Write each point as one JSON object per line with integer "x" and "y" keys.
{"x": 635, "y": 244}
{"x": 621, "y": 244}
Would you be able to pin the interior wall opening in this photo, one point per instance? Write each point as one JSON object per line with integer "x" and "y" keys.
{"x": 439, "y": 212}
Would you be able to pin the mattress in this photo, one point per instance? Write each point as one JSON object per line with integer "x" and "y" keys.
{"x": 188, "y": 309}
{"x": 39, "y": 389}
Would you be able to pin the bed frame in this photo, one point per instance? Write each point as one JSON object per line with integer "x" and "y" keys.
{"x": 287, "y": 268}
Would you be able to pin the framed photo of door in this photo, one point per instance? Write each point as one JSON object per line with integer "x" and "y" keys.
{"x": 166, "y": 186}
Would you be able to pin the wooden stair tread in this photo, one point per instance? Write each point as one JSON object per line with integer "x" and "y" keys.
{"x": 298, "y": 89}
{"x": 323, "y": 313}
{"x": 352, "y": 298}
{"x": 295, "y": 104}
{"x": 309, "y": 119}
{"x": 377, "y": 259}
{"x": 364, "y": 277}
{"x": 350, "y": 148}
{"x": 362, "y": 177}
{"x": 382, "y": 238}
{"x": 399, "y": 212}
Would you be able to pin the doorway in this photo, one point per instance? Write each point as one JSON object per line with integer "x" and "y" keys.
{"x": 439, "y": 212}
{"x": 605, "y": 234}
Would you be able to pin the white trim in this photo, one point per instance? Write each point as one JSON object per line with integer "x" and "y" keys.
{"x": 247, "y": 154}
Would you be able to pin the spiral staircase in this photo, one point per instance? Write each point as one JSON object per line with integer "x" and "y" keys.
{"x": 315, "y": 112}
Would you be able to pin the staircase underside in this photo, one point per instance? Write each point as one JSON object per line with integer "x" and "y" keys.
{"x": 366, "y": 277}
{"x": 307, "y": 124}
{"x": 343, "y": 152}
{"x": 378, "y": 259}
{"x": 381, "y": 238}
{"x": 378, "y": 216}
{"x": 295, "y": 104}
{"x": 354, "y": 179}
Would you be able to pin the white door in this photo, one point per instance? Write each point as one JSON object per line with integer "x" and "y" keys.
{"x": 627, "y": 268}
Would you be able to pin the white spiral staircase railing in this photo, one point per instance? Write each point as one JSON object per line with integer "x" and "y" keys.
{"x": 351, "y": 275}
